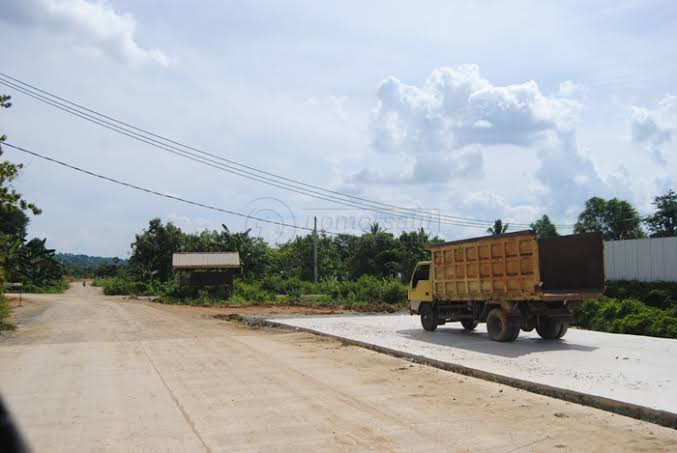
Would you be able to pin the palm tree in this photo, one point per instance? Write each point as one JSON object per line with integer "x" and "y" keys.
{"x": 375, "y": 228}
{"x": 498, "y": 227}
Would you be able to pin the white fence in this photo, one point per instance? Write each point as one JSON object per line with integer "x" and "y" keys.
{"x": 641, "y": 259}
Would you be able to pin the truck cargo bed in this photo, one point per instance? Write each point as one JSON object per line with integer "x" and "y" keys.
{"x": 518, "y": 266}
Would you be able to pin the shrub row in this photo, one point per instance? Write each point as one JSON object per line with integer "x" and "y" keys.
{"x": 269, "y": 289}
{"x": 116, "y": 286}
{"x": 627, "y": 316}
{"x": 661, "y": 295}
{"x": 53, "y": 287}
{"x": 365, "y": 289}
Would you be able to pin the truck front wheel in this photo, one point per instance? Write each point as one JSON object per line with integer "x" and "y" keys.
{"x": 428, "y": 317}
{"x": 497, "y": 326}
{"x": 550, "y": 329}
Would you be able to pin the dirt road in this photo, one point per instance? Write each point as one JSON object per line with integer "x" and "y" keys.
{"x": 86, "y": 372}
{"x": 631, "y": 368}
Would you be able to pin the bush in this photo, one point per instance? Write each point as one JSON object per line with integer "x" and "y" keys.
{"x": 119, "y": 286}
{"x": 47, "y": 288}
{"x": 4, "y": 312}
{"x": 367, "y": 291}
{"x": 251, "y": 292}
{"x": 394, "y": 292}
{"x": 656, "y": 294}
{"x": 658, "y": 298}
{"x": 628, "y": 316}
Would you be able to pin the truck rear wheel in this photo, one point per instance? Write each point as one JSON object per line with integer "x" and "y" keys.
{"x": 469, "y": 324}
{"x": 497, "y": 326}
{"x": 550, "y": 329}
{"x": 428, "y": 317}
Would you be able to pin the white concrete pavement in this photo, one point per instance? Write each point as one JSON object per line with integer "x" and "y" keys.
{"x": 635, "y": 369}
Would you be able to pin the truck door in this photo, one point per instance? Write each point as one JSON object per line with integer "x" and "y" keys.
{"x": 420, "y": 286}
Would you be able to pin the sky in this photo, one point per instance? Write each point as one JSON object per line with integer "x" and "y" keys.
{"x": 476, "y": 109}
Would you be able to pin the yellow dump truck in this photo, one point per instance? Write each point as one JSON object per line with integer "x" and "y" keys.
{"x": 510, "y": 281}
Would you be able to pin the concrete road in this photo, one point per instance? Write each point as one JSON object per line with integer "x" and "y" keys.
{"x": 85, "y": 372}
{"x": 631, "y": 368}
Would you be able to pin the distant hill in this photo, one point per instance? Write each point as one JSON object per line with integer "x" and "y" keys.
{"x": 73, "y": 260}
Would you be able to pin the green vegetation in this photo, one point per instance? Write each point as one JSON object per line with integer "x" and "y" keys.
{"x": 342, "y": 257}
{"x": 633, "y": 307}
{"x": 367, "y": 291}
{"x": 662, "y": 295}
{"x": 628, "y": 316}
{"x": 55, "y": 287}
{"x": 544, "y": 228}
{"x": 664, "y": 222}
{"x": 354, "y": 271}
{"x": 85, "y": 266}
{"x": 498, "y": 228}
{"x": 615, "y": 219}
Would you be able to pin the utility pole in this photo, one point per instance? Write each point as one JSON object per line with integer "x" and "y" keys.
{"x": 315, "y": 248}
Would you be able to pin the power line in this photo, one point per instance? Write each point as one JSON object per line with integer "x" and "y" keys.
{"x": 231, "y": 166}
{"x": 218, "y": 165}
{"x": 153, "y": 192}
{"x": 216, "y": 156}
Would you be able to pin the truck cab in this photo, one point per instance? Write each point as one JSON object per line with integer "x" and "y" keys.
{"x": 420, "y": 287}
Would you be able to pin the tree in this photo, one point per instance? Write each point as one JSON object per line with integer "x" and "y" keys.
{"x": 412, "y": 250}
{"x": 498, "y": 227}
{"x": 544, "y": 228}
{"x": 374, "y": 254}
{"x": 615, "y": 219}
{"x": 33, "y": 263}
{"x": 152, "y": 251}
{"x": 254, "y": 252}
{"x": 295, "y": 258}
{"x": 664, "y": 222}
{"x": 375, "y": 228}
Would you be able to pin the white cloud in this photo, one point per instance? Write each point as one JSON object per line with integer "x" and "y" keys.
{"x": 427, "y": 168}
{"x": 569, "y": 89}
{"x": 654, "y": 128}
{"x": 456, "y": 108}
{"x": 569, "y": 177}
{"x": 96, "y": 26}
{"x": 439, "y": 168}
{"x": 445, "y": 125}
{"x": 490, "y": 206}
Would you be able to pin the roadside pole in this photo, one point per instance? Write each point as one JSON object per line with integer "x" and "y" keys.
{"x": 315, "y": 248}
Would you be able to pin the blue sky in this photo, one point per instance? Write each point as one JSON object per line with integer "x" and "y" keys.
{"x": 475, "y": 109}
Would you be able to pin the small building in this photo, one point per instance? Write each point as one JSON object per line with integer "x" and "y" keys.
{"x": 206, "y": 268}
